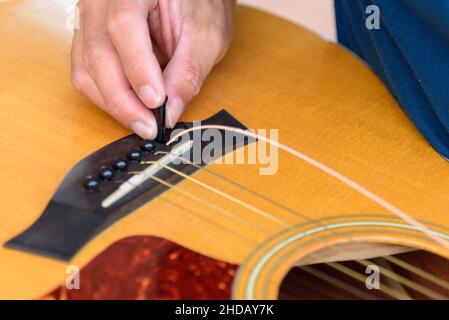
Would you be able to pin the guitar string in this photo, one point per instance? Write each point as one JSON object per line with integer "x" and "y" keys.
{"x": 228, "y": 251}
{"x": 406, "y": 282}
{"x": 406, "y": 266}
{"x": 329, "y": 171}
{"x": 221, "y": 193}
{"x": 192, "y": 213}
{"x": 411, "y": 268}
{"x": 337, "y": 175}
{"x": 217, "y": 191}
{"x": 209, "y": 187}
{"x": 400, "y": 287}
{"x": 388, "y": 290}
{"x": 332, "y": 280}
{"x": 291, "y": 210}
{"x": 207, "y": 203}
{"x": 226, "y": 195}
{"x": 338, "y": 283}
{"x": 301, "y": 285}
{"x": 238, "y": 185}
{"x": 174, "y": 188}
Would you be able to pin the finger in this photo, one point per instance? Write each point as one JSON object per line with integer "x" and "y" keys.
{"x": 104, "y": 66}
{"x": 81, "y": 79}
{"x": 194, "y": 58}
{"x": 162, "y": 33}
{"x": 161, "y": 57}
{"x": 120, "y": 100}
{"x": 128, "y": 28}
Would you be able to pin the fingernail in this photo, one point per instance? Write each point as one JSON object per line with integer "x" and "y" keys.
{"x": 150, "y": 97}
{"x": 146, "y": 131}
{"x": 175, "y": 108}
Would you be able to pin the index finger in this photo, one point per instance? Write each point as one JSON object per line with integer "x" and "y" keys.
{"x": 130, "y": 35}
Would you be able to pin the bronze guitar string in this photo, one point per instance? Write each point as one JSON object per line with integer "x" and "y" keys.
{"x": 233, "y": 129}
{"x": 337, "y": 175}
{"x": 396, "y": 261}
{"x": 174, "y": 188}
{"x": 337, "y": 266}
{"x": 388, "y": 290}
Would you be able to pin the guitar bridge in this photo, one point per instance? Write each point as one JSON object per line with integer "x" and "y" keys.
{"x": 99, "y": 190}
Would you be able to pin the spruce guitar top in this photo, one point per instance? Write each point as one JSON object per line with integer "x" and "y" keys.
{"x": 355, "y": 185}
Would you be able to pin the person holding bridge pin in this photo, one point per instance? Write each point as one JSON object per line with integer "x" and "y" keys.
{"x": 128, "y": 56}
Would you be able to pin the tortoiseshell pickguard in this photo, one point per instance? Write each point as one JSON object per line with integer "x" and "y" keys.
{"x": 146, "y": 267}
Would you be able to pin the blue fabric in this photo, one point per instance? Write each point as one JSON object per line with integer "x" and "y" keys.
{"x": 410, "y": 53}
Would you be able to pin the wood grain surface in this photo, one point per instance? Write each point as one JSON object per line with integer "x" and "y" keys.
{"x": 324, "y": 102}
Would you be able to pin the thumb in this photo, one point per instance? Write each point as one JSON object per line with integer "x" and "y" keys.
{"x": 192, "y": 61}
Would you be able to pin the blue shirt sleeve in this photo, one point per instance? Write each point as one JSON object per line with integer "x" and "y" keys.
{"x": 410, "y": 53}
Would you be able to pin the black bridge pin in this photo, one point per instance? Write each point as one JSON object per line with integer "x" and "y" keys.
{"x": 91, "y": 183}
{"x": 134, "y": 156}
{"x": 160, "y": 121}
{"x": 147, "y": 146}
{"x": 106, "y": 174}
{"x": 120, "y": 165}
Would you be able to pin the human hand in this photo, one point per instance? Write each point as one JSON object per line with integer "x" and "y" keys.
{"x": 119, "y": 52}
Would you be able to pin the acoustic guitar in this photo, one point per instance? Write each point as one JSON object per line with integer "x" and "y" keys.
{"x": 357, "y": 190}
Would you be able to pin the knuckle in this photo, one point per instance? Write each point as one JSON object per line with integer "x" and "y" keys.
{"x": 93, "y": 54}
{"x": 218, "y": 40}
{"x": 117, "y": 21}
{"x": 136, "y": 66}
{"x": 192, "y": 76}
{"x": 216, "y": 30}
{"x": 117, "y": 106}
{"x": 222, "y": 36}
{"x": 78, "y": 80}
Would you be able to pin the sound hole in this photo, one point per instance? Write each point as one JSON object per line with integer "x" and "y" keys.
{"x": 413, "y": 275}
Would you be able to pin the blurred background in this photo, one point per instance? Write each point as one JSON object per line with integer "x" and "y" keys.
{"x": 316, "y": 15}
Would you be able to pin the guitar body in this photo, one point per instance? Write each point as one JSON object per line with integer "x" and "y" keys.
{"x": 325, "y": 104}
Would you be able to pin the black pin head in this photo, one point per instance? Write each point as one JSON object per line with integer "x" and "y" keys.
{"x": 147, "y": 146}
{"x": 160, "y": 120}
